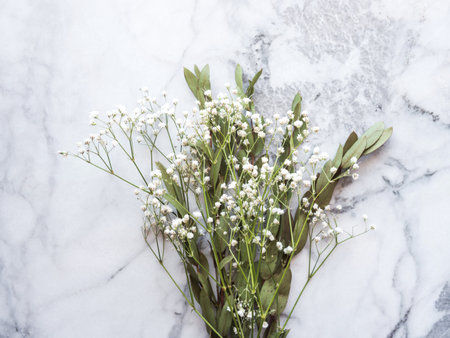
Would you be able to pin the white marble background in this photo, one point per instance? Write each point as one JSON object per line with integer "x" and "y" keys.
{"x": 72, "y": 260}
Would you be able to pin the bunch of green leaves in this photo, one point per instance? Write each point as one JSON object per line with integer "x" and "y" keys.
{"x": 270, "y": 273}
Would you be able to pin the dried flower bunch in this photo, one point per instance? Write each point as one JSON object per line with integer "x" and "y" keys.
{"x": 237, "y": 197}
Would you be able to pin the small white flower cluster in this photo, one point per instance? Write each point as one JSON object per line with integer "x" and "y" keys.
{"x": 223, "y": 161}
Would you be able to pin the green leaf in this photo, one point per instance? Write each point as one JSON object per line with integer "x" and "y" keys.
{"x": 269, "y": 261}
{"x": 251, "y": 89}
{"x": 192, "y": 82}
{"x": 355, "y": 150}
{"x": 338, "y": 157}
{"x": 220, "y": 239}
{"x": 259, "y": 146}
{"x": 373, "y": 133}
{"x": 238, "y": 78}
{"x": 205, "y": 83}
{"x": 269, "y": 291}
{"x": 325, "y": 196}
{"x": 197, "y": 71}
{"x": 224, "y": 320}
{"x": 172, "y": 187}
{"x": 243, "y": 251}
{"x": 208, "y": 309}
{"x": 215, "y": 169}
{"x": 383, "y": 138}
{"x": 297, "y": 106}
{"x": 300, "y": 225}
{"x": 241, "y": 154}
{"x": 203, "y": 275}
{"x": 200, "y": 146}
{"x": 172, "y": 200}
{"x": 352, "y": 138}
{"x": 225, "y": 261}
{"x": 286, "y": 225}
{"x": 324, "y": 176}
{"x": 241, "y": 282}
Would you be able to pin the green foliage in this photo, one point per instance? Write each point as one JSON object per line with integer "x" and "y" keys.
{"x": 234, "y": 204}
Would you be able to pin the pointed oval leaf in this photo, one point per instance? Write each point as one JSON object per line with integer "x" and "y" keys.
{"x": 355, "y": 150}
{"x": 224, "y": 321}
{"x": 204, "y": 80}
{"x": 238, "y": 78}
{"x": 301, "y": 230}
{"x": 383, "y": 138}
{"x": 215, "y": 170}
{"x": 225, "y": 261}
{"x": 373, "y": 133}
{"x": 192, "y": 82}
{"x": 180, "y": 208}
{"x": 338, "y": 157}
{"x": 251, "y": 86}
{"x": 208, "y": 309}
{"x": 269, "y": 291}
{"x": 297, "y": 106}
{"x": 352, "y": 138}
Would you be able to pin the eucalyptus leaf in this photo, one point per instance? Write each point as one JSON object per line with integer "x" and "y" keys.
{"x": 297, "y": 106}
{"x": 238, "y": 78}
{"x": 269, "y": 261}
{"x": 355, "y": 150}
{"x": 168, "y": 181}
{"x": 215, "y": 169}
{"x": 301, "y": 230}
{"x": 243, "y": 251}
{"x": 205, "y": 83}
{"x": 225, "y": 261}
{"x": 220, "y": 239}
{"x": 352, "y": 138}
{"x": 324, "y": 176}
{"x": 197, "y": 71}
{"x": 269, "y": 291}
{"x": 208, "y": 309}
{"x": 250, "y": 88}
{"x": 373, "y": 133}
{"x": 383, "y": 138}
{"x": 338, "y": 157}
{"x": 325, "y": 196}
{"x": 192, "y": 82}
{"x": 180, "y": 208}
{"x": 224, "y": 321}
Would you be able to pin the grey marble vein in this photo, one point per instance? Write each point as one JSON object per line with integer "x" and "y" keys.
{"x": 72, "y": 259}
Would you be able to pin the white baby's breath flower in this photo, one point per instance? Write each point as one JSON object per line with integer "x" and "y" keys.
{"x": 93, "y": 114}
{"x": 288, "y": 250}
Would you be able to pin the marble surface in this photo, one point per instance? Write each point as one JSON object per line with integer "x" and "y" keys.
{"x": 72, "y": 259}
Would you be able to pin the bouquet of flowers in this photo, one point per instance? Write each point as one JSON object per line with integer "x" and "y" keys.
{"x": 237, "y": 196}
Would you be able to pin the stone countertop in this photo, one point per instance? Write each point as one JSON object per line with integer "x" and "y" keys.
{"x": 72, "y": 259}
